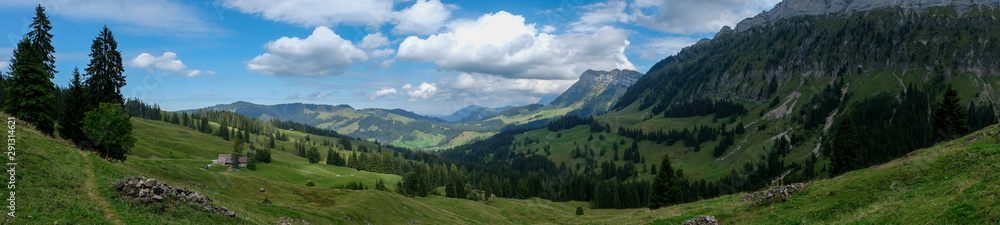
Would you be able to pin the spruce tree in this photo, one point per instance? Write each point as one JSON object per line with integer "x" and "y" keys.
{"x": 70, "y": 127}
{"x": 105, "y": 70}
{"x": 949, "y": 117}
{"x": 847, "y": 150}
{"x": 42, "y": 38}
{"x": 31, "y": 93}
{"x": 666, "y": 189}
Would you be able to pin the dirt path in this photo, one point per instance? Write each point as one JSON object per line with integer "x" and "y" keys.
{"x": 109, "y": 213}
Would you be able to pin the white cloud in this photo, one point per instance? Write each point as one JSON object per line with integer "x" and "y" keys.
{"x": 695, "y": 16}
{"x": 381, "y": 53}
{"x": 384, "y": 92}
{"x": 502, "y": 44}
{"x": 424, "y": 91}
{"x": 487, "y": 90}
{"x": 4, "y": 65}
{"x": 599, "y": 14}
{"x": 548, "y": 29}
{"x": 660, "y": 48}
{"x": 313, "y": 13}
{"x": 423, "y": 17}
{"x": 374, "y": 41}
{"x": 316, "y": 95}
{"x": 156, "y": 17}
{"x": 166, "y": 63}
{"x": 322, "y": 53}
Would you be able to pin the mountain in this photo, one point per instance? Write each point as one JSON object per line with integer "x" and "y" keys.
{"x": 471, "y": 113}
{"x": 596, "y": 91}
{"x": 396, "y": 126}
{"x": 763, "y": 103}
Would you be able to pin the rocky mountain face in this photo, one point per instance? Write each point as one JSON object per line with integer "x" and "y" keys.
{"x": 792, "y": 8}
{"x": 596, "y": 91}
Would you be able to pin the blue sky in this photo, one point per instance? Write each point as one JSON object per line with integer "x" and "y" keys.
{"x": 427, "y": 56}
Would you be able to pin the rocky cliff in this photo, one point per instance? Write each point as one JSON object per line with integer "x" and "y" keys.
{"x": 792, "y": 8}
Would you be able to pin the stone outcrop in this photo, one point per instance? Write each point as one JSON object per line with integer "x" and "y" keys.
{"x": 773, "y": 195}
{"x": 702, "y": 220}
{"x": 792, "y": 8}
{"x": 147, "y": 190}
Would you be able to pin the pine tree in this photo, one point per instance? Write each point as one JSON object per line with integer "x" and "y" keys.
{"x": 105, "y": 70}
{"x": 31, "y": 93}
{"x": 666, "y": 189}
{"x": 949, "y": 118}
{"x": 847, "y": 150}
{"x": 70, "y": 127}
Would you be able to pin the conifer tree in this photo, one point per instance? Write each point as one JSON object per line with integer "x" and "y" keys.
{"x": 666, "y": 189}
{"x": 31, "y": 93}
{"x": 105, "y": 70}
{"x": 949, "y": 117}
{"x": 70, "y": 127}
{"x": 42, "y": 39}
{"x": 847, "y": 150}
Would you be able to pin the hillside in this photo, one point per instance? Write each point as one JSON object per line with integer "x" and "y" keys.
{"x": 596, "y": 91}
{"x": 760, "y": 105}
{"x": 398, "y": 127}
{"x": 943, "y": 184}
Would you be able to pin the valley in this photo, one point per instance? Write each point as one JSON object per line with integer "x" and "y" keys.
{"x": 810, "y": 112}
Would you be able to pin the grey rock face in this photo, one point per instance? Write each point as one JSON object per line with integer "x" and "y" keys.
{"x": 793, "y": 8}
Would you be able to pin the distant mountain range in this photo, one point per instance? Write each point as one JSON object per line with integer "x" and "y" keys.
{"x": 593, "y": 94}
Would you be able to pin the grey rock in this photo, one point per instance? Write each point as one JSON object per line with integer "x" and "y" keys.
{"x": 149, "y": 183}
{"x": 158, "y": 198}
{"x": 262, "y": 190}
{"x": 792, "y": 8}
{"x": 702, "y": 220}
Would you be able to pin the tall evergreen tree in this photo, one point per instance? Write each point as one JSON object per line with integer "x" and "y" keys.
{"x": 666, "y": 189}
{"x": 70, "y": 127}
{"x": 949, "y": 117}
{"x": 848, "y": 153}
{"x": 105, "y": 70}
{"x": 31, "y": 93}
{"x": 42, "y": 38}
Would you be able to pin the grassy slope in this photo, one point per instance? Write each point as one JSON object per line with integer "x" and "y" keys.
{"x": 949, "y": 183}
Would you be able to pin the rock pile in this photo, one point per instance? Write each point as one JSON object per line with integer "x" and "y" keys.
{"x": 290, "y": 221}
{"x": 702, "y": 220}
{"x": 773, "y": 195}
{"x": 146, "y": 190}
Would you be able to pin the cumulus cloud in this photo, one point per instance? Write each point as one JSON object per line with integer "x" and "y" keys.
{"x": 166, "y": 63}
{"x": 424, "y": 91}
{"x": 314, "y": 13}
{"x": 502, "y": 44}
{"x": 384, "y": 92}
{"x": 374, "y": 41}
{"x": 381, "y": 53}
{"x": 695, "y": 16}
{"x": 322, "y": 53}
{"x": 423, "y": 17}
{"x": 156, "y": 17}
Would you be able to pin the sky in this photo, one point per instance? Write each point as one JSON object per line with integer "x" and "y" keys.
{"x": 427, "y": 56}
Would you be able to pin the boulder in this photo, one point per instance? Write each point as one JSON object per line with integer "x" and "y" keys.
{"x": 262, "y": 190}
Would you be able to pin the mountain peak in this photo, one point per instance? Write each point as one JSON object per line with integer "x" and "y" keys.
{"x": 615, "y": 77}
{"x": 792, "y": 8}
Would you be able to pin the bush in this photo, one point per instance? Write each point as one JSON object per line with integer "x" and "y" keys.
{"x": 579, "y": 211}
{"x": 311, "y": 184}
{"x": 109, "y": 129}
